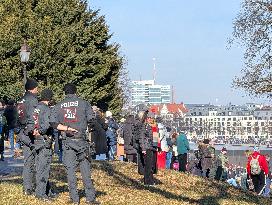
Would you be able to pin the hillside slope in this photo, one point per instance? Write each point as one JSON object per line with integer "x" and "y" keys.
{"x": 119, "y": 183}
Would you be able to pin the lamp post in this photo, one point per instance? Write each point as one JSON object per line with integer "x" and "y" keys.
{"x": 24, "y": 55}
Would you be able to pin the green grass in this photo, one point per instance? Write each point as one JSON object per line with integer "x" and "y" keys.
{"x": 119, "y": 183}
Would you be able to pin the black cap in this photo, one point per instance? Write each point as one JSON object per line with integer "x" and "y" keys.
{"x": 46, "y": 95}
{"x": 31, "y": 84}
{"x": 70, "y": 88}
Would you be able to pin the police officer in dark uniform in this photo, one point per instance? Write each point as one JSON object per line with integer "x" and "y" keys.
{"x": 72, "y": 116}
{"x": 26, "y": 106}
{"x": 43, "y": 142}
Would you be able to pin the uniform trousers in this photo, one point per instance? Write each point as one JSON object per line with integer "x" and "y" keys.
{"x": 74, "y": 155}
{"x": 29, "y": 168}
{"x": 43, "y": 159}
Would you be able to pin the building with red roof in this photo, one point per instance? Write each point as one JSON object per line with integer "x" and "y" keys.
{"x": 171, "y": 110}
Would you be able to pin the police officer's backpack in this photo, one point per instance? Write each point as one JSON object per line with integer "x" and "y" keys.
{"x": 255, "y": 168}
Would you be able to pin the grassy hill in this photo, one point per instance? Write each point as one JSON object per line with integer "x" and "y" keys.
{"x": 119, "y": 183}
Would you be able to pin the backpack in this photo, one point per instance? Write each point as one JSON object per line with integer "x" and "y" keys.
{"x": 255, "y": 168}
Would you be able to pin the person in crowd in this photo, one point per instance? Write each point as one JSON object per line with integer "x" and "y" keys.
{"x": 232, "y": 177}
{"x": 174, "y": 161}
{"x": 143, "y": 133}
{"x": 130, "y": 151}
{"x": 120, "y": 140}
{"x": 193, "y": 166}
{"x": 244, "y": 181}
{"x": 3, "y": 123}
{"x": 11, "y": 115}
{"x": 169, "y": 147}
{"x": 98, "y": 135}
{"x": 72, "y": 116}
{"x": 183, "y": 149}
{"x": 221, "y": 172}
{"x": 206, "y": 157}
{"x": 214, "y": 167}
{"x": 26, "y": 106}
{"x": 155, "y": 136}
{"x": 163, "y": 147}
{"x": 57, "y": 137}
{"x": 111, "y": 135}
{"x": 257, "y": 169}
{"x": 58, "y": 145}
{"x": 266, "y": 192}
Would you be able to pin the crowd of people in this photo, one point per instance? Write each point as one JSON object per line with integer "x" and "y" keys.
{"x": 80, "y": 133}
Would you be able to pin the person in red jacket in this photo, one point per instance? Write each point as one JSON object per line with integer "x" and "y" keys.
{"x": 260, "y": 178}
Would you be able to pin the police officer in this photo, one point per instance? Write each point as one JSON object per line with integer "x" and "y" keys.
{"x": 43, "y": 143}
{"x": 72, "y": 116}
{"x": 26, "y": 106}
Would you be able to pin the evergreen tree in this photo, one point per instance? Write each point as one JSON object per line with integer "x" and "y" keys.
{"x": 69, "y": 43}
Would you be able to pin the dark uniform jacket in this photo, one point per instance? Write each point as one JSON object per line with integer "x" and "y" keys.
{"x": 41, "y": 118}
{"x": 25, "y": 107}
{"x": 75, "y": 113}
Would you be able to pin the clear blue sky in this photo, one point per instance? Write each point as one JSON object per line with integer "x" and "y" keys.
{"x": 188, "y": 40}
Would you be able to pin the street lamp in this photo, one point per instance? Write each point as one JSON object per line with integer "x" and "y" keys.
{"x": 24, "y": 55}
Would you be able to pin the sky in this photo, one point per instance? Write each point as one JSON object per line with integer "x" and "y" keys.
{"x": 188, "y": 39}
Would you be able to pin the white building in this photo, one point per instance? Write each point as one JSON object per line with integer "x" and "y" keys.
{"x": 147, "y": 92}
{"x": 255, "y": 124}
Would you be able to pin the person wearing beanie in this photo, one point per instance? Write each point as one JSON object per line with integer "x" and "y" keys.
{"x": 25, "y": 106}
{"x": 257, "y": 169}
{"x": 43, "y": 143}
{"x": 72, "y": 116}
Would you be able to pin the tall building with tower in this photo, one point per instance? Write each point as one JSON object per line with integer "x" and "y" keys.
{"x": 147, "y": 92}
